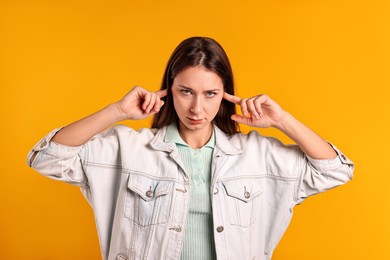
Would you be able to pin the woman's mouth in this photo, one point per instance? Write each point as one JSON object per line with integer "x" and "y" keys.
{"x": 195, "y": 121}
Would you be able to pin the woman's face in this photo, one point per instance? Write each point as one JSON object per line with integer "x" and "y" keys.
{"x": 197, "y": 95}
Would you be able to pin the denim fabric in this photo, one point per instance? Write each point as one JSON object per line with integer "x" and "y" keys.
{"x": 139, "y": 193}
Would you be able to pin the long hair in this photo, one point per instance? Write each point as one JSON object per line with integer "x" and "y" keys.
{"x": 206, "y": 52}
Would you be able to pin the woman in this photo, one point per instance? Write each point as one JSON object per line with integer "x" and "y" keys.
{"x": 193, "y": 186}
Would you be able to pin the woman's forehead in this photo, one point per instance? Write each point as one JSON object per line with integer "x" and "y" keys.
{"x": 198, "y": 78}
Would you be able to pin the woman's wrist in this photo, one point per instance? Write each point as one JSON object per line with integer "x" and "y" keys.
{"x": 284, "y": 123}
{"x": 116, "y": 112}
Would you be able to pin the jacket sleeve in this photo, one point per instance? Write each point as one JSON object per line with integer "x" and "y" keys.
{"x": 57, "y": 161}
{"x": 321, "y": 175}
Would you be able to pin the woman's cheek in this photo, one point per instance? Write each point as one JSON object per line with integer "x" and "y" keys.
{"x": 215, "y": 105}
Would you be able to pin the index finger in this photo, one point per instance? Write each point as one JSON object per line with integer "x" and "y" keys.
{"x": 162, "y": 93}
{"x": 231, "y": 98}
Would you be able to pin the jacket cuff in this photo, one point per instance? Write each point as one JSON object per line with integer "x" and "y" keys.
{"x": 330, "y": 164}
{"x": 53, "y": 148}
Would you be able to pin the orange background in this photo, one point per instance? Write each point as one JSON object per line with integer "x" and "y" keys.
{"x": 326, "y": 62}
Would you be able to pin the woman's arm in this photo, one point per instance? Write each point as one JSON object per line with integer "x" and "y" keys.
{"x": 311, "y": 143}
{"x": 137, "y": 104}
{"x": 261, "y": 111}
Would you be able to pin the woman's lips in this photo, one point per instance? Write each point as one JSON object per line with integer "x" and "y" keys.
{"x": 195, "y": 121}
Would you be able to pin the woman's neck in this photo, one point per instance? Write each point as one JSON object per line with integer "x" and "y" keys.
{"x": 195, "y": 138}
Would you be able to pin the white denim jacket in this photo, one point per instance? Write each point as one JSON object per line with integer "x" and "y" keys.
{"x": 139, "y": 191}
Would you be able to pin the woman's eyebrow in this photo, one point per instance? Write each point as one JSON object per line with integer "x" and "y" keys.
{"x": 213, "y": 90}
{"x": 184, "y": 87}
{"x": 209, "y": 90}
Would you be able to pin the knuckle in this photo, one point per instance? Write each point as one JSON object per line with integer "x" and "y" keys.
{"x": 264, "y": 96}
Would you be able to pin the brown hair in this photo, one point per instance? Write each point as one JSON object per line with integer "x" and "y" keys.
{"x": 196, "y": 51}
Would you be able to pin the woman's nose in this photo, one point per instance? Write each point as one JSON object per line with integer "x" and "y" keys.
{"x": 196, "y": 106}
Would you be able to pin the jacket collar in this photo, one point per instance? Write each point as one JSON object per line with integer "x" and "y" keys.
{"x": 221, "y": 142}
{"x": 172, "y": 135}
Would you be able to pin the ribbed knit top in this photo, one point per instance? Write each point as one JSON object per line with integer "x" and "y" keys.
{"x": 198, "y": 239}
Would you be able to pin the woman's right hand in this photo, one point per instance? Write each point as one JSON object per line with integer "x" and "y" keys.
{"x": 137, "y": 104}
{"x": 140, "y": 103}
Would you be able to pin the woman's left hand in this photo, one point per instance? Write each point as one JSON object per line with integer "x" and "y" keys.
{"x": 258, "y": 111}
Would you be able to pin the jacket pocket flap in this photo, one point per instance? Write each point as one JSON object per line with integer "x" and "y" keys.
{"x": 148, "y": 188}
{"x": 243, "y": 189}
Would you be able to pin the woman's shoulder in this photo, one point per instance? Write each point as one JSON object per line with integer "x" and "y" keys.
{"x": 120, "y": 129}
{"x": 254, "y": 138}
{"x": 106, "y": 145}
{"x": 252, "y": 135}
{"x": 120, "y": 133}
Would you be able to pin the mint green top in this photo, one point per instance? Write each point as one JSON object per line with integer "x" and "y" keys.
{"x": 199, "y": 239}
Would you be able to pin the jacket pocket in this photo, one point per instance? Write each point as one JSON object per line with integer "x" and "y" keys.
{"x": 241, "y": 200}
{"x": 148, "y": 200}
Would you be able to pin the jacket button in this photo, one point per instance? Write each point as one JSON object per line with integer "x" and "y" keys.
{"x": 216, "y": 191}
{"x": 121, "y": 256}
{"x": 149, "y": 193}
{"x": 219, "y": 229}
{"x": 247, "y": 194}
{"x": 176, "y": 229}
{"x": 43, "y": 144}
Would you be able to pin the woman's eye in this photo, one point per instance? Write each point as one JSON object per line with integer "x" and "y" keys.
{"x": 210, "y": 94}
{"x": 185, "y": 91}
